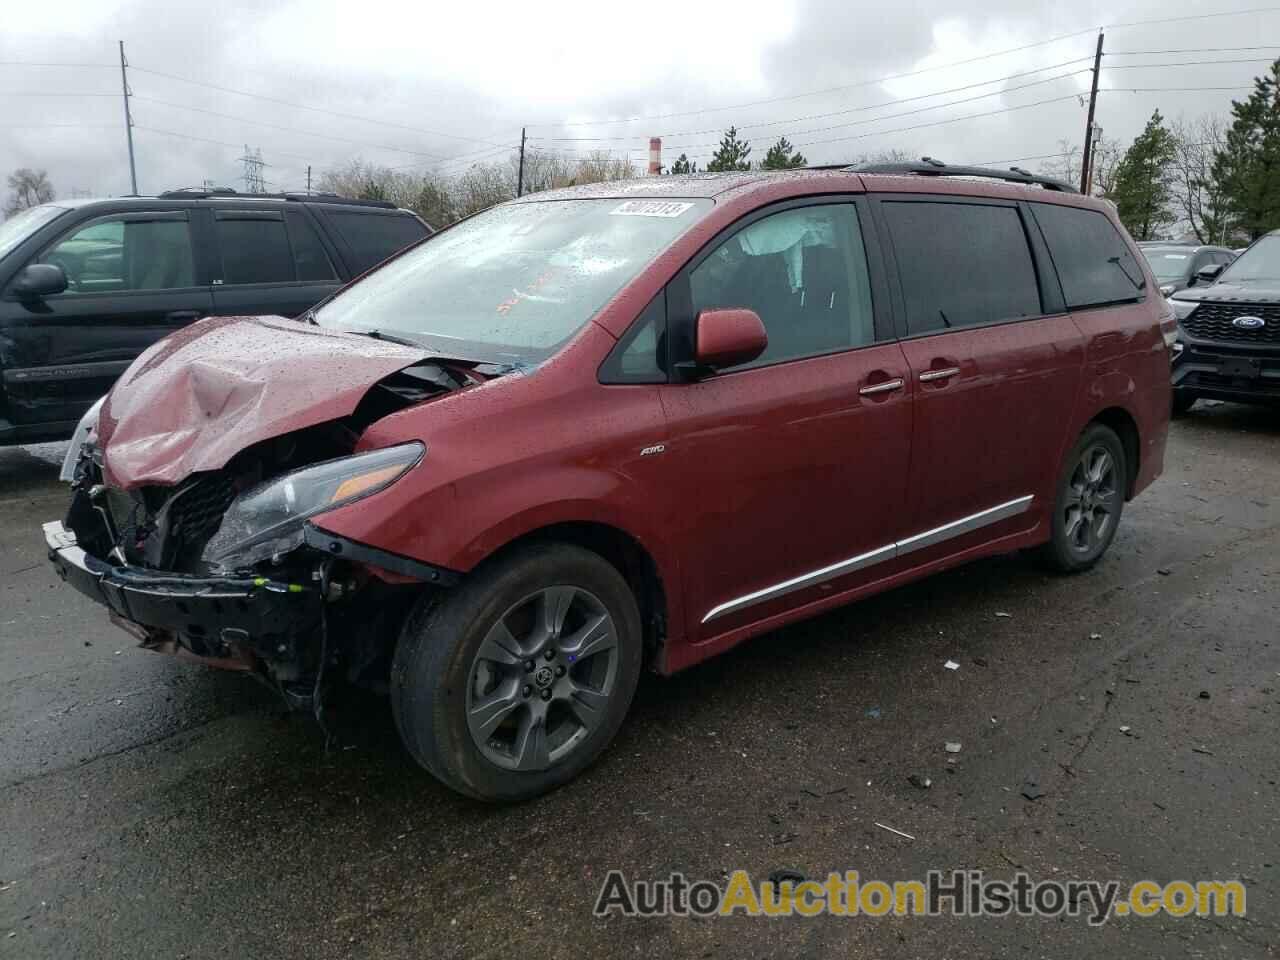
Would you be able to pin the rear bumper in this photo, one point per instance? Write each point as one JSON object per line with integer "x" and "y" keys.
{"x": 1222, "y": 372}
{"x": 216, "y": 616}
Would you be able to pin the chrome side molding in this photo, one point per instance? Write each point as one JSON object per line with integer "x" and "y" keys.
{"x": 919, "y": 541}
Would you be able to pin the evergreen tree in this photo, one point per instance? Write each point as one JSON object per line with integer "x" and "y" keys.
{"x": 1142, "y": 190}
{"x": 373, "y": 190}
{"x": 683, "y": 165}
{"x": 731, "y": 155}
{"x": 783, "y": 156}
{"x": 1248, "y": 167}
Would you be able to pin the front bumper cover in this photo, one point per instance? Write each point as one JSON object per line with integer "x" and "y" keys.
{"x": 240, "y": 613}
{"x": 1222, "y": 371}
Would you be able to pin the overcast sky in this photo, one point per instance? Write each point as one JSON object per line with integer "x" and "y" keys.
{"x": 449, "y": 83}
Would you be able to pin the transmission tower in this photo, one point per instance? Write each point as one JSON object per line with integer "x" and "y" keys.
{"x": 253, "y": 164}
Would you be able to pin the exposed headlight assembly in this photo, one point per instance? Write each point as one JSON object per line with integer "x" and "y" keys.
{"x": 266, "y": 520}
{"x": 1183, "y": 308}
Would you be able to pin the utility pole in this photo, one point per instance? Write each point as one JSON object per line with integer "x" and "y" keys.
{"x": 1086, "y": 166}
{"x": 520, "y": 175}
{"x": 308, "y": 179}
{"x": 1093, "y": 158}
{"x": 128, "y": 119}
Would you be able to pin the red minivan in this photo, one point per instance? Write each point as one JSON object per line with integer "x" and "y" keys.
{"x": 622, "y": 426}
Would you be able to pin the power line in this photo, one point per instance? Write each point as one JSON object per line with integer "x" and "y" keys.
{"x": 43, "y": 93}
{"x": 1183, "y": 63}
{"x": 36, "y": 63}
{"x": 873, "y": 106}
{"x": 304, "y": 106}
{"x": 294, "y": 130}
{"x": 1143, "y": 53}
{"x": 1167, "y": 89}
{"x": 220, "y": 143}
{"x": 1198, "y": 16}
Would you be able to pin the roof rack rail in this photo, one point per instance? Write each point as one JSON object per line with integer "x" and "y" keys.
{"x": 929, "y": 167}
{"x": 198, "y": 193}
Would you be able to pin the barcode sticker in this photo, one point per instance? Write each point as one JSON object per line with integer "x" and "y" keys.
{"x": 650, "y": 208}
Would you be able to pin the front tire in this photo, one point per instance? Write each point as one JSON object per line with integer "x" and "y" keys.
{"x": 513, "y": 683}
{"x": 1088, "y": 503}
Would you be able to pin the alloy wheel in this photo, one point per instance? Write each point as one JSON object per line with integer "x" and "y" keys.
{"x": 1092, "y": 501}
{"x": 541, "y": 679}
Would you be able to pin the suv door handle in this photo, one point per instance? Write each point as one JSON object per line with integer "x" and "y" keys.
{"x": 180, "y": 315}
{"x": 943, "y": 374}
{"x": 886, "y": 387}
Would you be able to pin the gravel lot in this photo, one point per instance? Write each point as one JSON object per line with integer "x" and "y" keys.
{"x": 154, "y": 809}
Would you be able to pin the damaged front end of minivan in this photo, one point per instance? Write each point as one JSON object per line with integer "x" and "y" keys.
{"x": 225, "y": 564}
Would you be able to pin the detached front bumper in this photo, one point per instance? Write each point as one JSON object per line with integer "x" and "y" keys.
{"x": 214, "y": 618}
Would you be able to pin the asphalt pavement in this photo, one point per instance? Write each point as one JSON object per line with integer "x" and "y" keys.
{"x": 150, "y": 808}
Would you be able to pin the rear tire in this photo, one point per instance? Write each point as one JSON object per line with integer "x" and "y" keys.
{"x": 1088, "y": 503}
{"x": 513, "y": 683}
{"x": 1183, "y": 401}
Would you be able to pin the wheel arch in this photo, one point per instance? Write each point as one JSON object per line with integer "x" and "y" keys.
{"x": 625, "y": 553}
{"x": 1123, "y": 424}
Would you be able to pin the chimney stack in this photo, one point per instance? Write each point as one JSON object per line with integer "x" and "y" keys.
{"x": 655, "y": 156}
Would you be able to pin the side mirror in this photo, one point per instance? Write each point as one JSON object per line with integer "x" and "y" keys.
{"x": 728, "y": 337}
{"x": 1208, "y": 274}
{"x": 38, "y": 280}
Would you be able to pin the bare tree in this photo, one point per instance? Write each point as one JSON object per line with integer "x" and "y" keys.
{"x": 889, "y": 155}
{"x": 28, "y": 188}
{"x": 1198, "y": 198}
{"x": 1065, "y": 164}
{"x": 1107, "y": 155}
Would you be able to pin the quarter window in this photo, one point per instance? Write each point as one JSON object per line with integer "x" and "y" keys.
{"x": 113, "y": 256}
{"x": 961, "y": 264}
{"x": 372, "y": 237}
{"x": 308, "y": 252}
{"x": 804, "y": 271}
{"x": 1094, "y": 264}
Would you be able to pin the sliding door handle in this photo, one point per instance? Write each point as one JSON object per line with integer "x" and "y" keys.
{"x": 945, "y": 374}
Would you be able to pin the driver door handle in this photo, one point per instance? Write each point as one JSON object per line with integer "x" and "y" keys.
{"x": 886, "y": 387}
{"x": 182, "y": 315}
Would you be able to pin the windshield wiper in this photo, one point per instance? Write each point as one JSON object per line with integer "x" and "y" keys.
{"x": 1128, "y": 276}
{"x": 390, "y": 337}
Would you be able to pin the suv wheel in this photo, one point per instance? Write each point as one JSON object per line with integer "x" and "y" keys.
{"x": 1183, "y": 401}
{"x": 513, "y": 683}
{"x": 1089, "y": 502}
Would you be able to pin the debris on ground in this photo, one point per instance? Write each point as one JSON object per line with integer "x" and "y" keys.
{"x": 980, "y": 661}
{"x": 1125, "y": 730}
{"x": 1164, "y": 571}
{"x": 1204, "y": 694}
{"x": 920, "y": 782}
{"x": 873, "y": 713}
{"x": 1003, "y": 615}
{"x": 1031, "y": 789}
{"x": 1095, "y": 636}
{"x": 951, "y": 665}
{"x": 952, "y": 746}
{"x": 1207, "y": 752}
{"x": 885, "y": 826}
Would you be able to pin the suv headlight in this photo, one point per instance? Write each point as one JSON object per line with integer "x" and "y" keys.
{"x": 267, "y": 519}
{"x": 1183, "y": 308}
{"x": 88, "y": 424}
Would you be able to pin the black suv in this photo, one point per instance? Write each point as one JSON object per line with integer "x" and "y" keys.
{"x": 86, "y": 286}
{"x": 1229, "y": 332}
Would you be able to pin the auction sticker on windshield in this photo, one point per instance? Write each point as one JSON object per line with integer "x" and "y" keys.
{"x": 650, "y": 208}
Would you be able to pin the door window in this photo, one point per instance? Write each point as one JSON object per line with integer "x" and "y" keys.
{"x": 804, "y": 271}
{"x": 961, "y": 264}
{"x": 255, "y": 250}
{"x": 308, "y": 252}
{"x": 111, "y": 256}
{"x": 372, "y": 237}
{"x": 1095, "y": 265}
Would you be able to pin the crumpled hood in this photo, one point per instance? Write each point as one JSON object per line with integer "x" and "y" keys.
{"x": 1227, "y": 292}
{"x": 200, "y": 396}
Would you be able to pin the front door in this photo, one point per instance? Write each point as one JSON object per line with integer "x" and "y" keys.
{"x": 131, "y": 279}
{"x": 996, "y": 366}
{"x": 796, "y": 462}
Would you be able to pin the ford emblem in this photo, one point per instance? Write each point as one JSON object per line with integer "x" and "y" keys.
{"x": 1249, "y": 323}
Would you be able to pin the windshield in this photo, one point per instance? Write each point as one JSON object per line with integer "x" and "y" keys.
{"x": 1168, "y": 264}
{"x": 21, "y": 225}
{"x": 1259, "y": 262}
{"x": 515, "y": 282}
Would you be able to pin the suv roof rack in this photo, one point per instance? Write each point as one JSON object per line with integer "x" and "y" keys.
{"x": 929, "y": 167}
{"x": 195, "y": 193}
